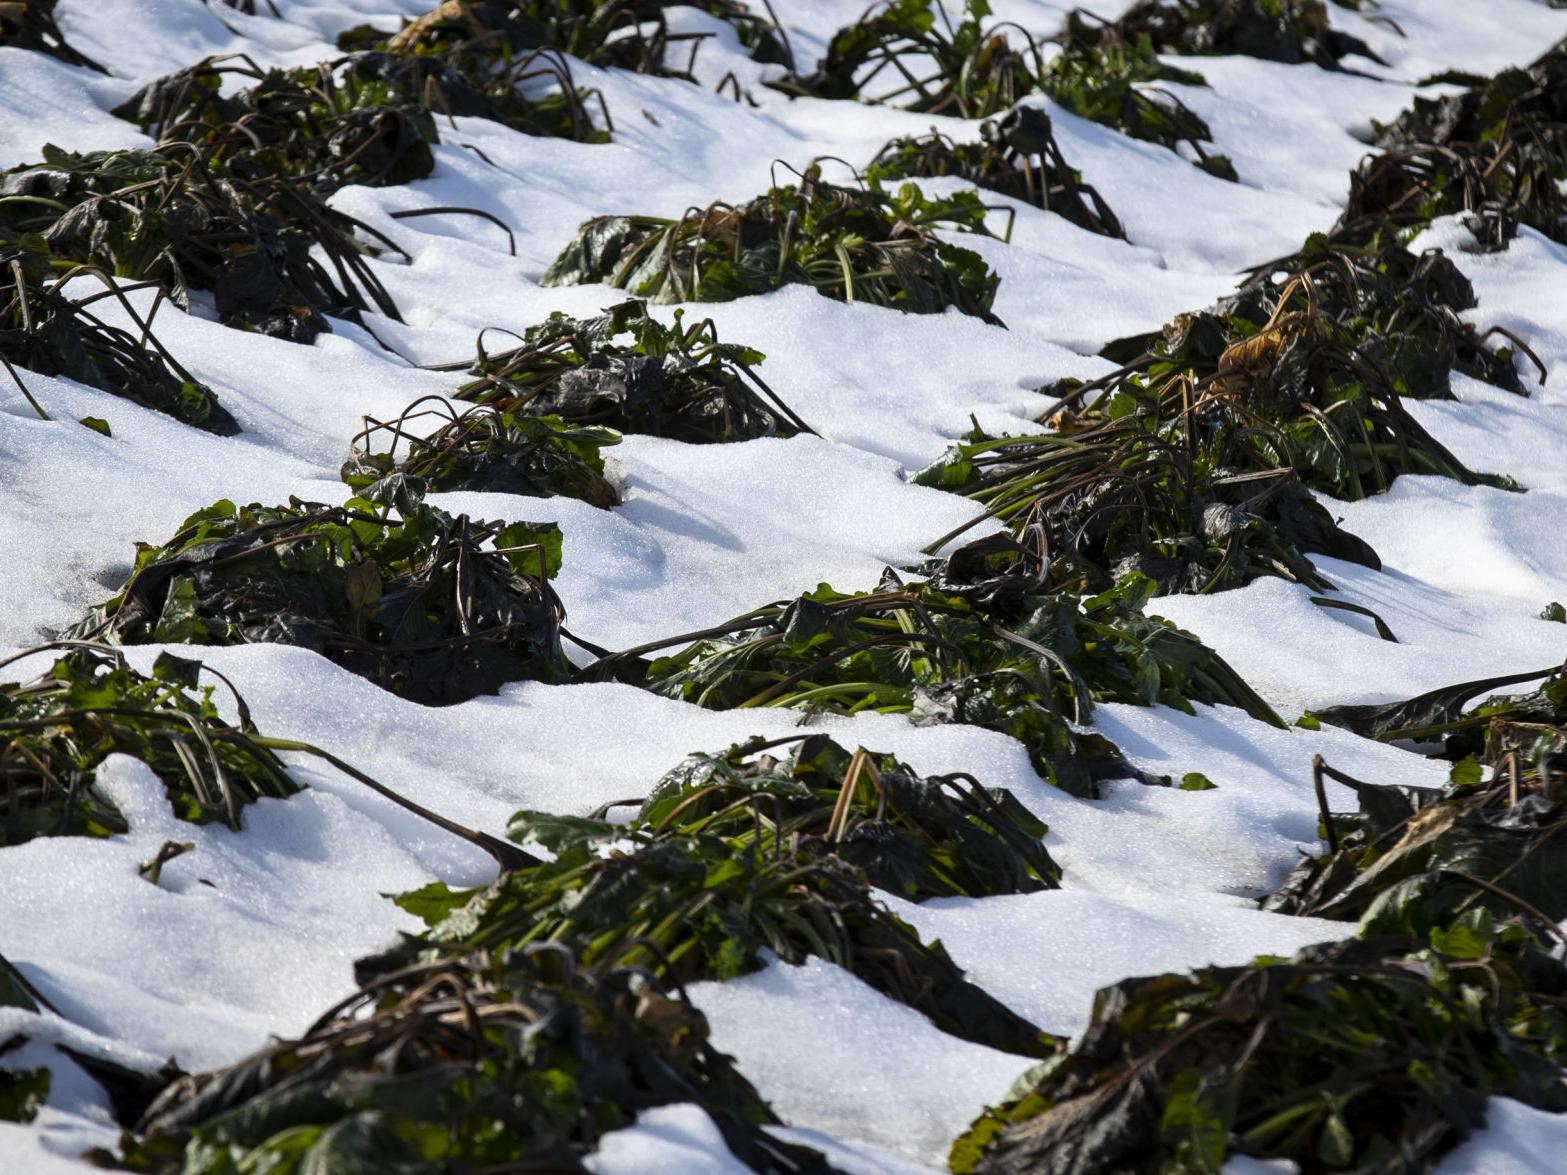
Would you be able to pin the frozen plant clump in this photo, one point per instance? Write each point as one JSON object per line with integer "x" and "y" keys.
{"x": 855, "y": 244}
{"x": 690, "y": 898}
{"x": 625, "y": 370}
{"x": 435, "y": 608}
{"x": 515, "y": 1060}
{"x": 1016, "y": 156}
{"x": 484, "y": 448}
{"x": 44, "y": 330}
{"x": 171, "y": 216}
{"x": 981, "y": 641}
{"x": 57, "y": 728}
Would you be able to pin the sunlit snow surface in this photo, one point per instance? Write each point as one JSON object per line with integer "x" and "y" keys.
{"x": 1156, "y": 879}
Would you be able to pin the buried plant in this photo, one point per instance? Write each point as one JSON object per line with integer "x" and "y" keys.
{"x": 386, "y": 586}
{"x": 916, "y": 837}
{"x": 1114, "y": 84}
{"x": 1498, "y": 151}
{"x": 517, "y": 1060}
{"x": 325, "y": 127}
{"x": 689, "y": 903}
{"x": 1373, "y": 1054}
{"x": 625, "y": 34}
{"x": 980, "y": 642}
{"x": 43, "y": 330}
{"x": 173, "y": 217}
{"x": 1418, "y": 860}
{"x": 1139, "y": 493}
{"x": 484, "y": 448}
{"x": 856, "y": 244}
{"x": 910, "y": 54}
{"x": 1016, "y": 156}
{"x": 1306, "y": 374}
{"x": 626, "y": 370}
{"x": 30, "y": 24}
{"x": 1288, "y": 31}
{"x": 56, "y": 729}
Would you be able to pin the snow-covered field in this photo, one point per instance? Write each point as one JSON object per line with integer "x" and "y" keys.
{"x": 1155, "y": 878}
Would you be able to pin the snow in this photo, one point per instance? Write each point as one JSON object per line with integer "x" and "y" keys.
{"x": 1156, "y": 879}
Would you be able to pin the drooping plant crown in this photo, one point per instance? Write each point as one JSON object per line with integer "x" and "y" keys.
{"x": 917, "y": 837}
{"x": 1017, "y": 156}
{"x": 672, "y": 381}
{"x": 172, "y": 216}
{"x": 57, "y": 728}
{"x": 434, "y": 608}
{"x": 484, "y": 448}
{"x": 325, "y": 126}
{"x": 45, "y": 331}
{"x": 855, "y": 244}
{"x": 979, "y": 642}
{"x": 1497, "y": 151}
{"x": 623, "y": 34}
{"x": 515, "y": 1060}
{"x": 30, "y": 24}
{"x": 690, "y": 894}
{"x": 1376, "y": 1053}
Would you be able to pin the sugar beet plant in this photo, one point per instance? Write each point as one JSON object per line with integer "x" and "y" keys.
{"x": 57, "y": 728}
{"x": 172, "y": 216}
{"x": 1376, "y": 1053}
{"x": 1017, "y": 156}
{"x": 435, "y": 608}
{"x": 1372, "y": 1054}
{"x": 856, "y": 244}
{"x": 30, "y": 24}
{"x": 503, "y": 1061}
{"x": 325, "y": 126}
{"x": 1288, "y": 31}
{"x": 44, "y": 330}
{"x": 980, "y": 642}
{"x": 484, "y": 448}
{"x": 625, "y": 370}
{"x": 1190, "y": 463}
{"x": 909, "y": 54}
{"x": 624, "y": 34}
{"x": 915, "y": 836}
{"x": 709, "y": 875}
{"x": 1497, "y": 151}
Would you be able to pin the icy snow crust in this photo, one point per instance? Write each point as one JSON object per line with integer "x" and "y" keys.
{"x": 1155, "y": 879}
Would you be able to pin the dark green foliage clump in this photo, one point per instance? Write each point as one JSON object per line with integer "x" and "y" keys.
{"x": 910, "y": 54}
{"x": 508, "y": 1061}
{"x": 1497, "y": 151}
{"x": 485, "y": 448}
{"x": 386, "y": 586}
{"x": 1289, "y": 31}
{"x": 30, "y": 24}
{"x": 1017, "y": 156}
{"x": 1112, "y": 83}
{"x": 981, "y": 642}
{"x": 1191, "y": 463}
{"x": 1110, "y": 497}
{"x": 42, "y": 330}
{"x": 1307, "y": 372}
{"x": 856, "y": 244}
{"x": 691, "y": 903}
{"x": 1373, "y": 1054}
{"x": 1411, "y": 859}
{"x": 57, "y": 728}
{"x": 326, "y": 126}
{"x": 173, "y": 217}
{"x": 917, "y": 837}
{"x": 627, "y": 371}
